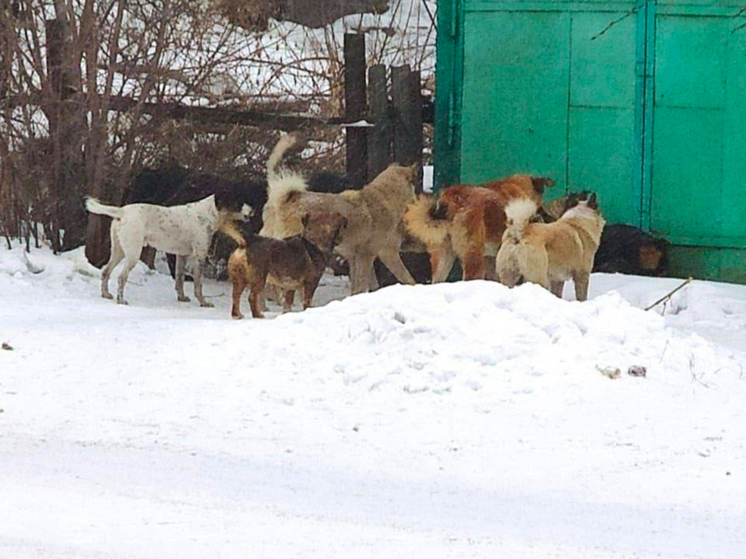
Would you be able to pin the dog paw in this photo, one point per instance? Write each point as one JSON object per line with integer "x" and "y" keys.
{"x": 183, "y": 299}
{"x": 237, "y": 316}
{"x": 206, "y": 304}
{"x": 122, "y": 302}
{"x": 107, "y": 295}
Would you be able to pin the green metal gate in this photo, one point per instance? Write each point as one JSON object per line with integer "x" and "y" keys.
{"x": 641, "y": 101}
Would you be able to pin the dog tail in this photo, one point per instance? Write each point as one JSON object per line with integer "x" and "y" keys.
{"x": 227, "y": 227}
{"x": 282, "y": 183}
{"x": 426, "y": 220}
{"x": 518, "y": 212}
{"x": 280, "y": 190}
{"x": 285, "y": 143}
{"x": 96, "y": 207}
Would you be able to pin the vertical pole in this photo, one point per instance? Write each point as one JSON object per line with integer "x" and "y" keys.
{"x": 649, "y": 108}
{"x": 407, "y": 95}
{"x": 66, "y": 129}
{"x": 449, "y": 72}
{"x": 54, "y": 31}
{"x": 380, "y": 137}
{"x": 355, "y": 107}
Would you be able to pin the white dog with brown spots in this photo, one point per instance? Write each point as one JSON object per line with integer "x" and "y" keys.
{"x": 184, "y": 230}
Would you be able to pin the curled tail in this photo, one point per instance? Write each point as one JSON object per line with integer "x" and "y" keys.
{"x": 426, "y": 220}
{"x": 96, "y": 207}
{"x": 284, "y": 144}
{"x": 518, "y": 212}
{"x": 281, "y": 185}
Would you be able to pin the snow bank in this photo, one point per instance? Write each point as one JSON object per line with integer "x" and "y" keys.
{"x": 482, "y": 334}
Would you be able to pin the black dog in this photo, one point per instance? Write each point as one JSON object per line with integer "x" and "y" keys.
{"x": 629, "y": 250}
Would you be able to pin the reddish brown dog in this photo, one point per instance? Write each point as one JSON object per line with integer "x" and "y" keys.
{"x": 469, "y": 221}
{"x": 295, "y": 263}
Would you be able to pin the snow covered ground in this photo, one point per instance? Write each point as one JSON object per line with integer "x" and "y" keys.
{"x": 460, "y": 420}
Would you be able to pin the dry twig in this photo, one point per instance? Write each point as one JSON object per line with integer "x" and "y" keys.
{"x": 670, "y": 294}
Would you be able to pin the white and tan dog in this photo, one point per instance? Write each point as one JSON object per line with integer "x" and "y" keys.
{"x": 550, "y": 253}
{"x": 185, "y": 230}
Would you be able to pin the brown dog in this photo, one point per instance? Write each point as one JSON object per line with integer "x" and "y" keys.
{"x": 295, "y": 263}
{"x": 550, "y": 253}
{"x": 468, "y": 221}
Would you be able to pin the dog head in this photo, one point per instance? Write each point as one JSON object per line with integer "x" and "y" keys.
{"x": 557, "y": 208}
{"x": 240, "y": 199}
{"x": 541, "y": 183}
{"x": 323, "y": 228}
{"x": 579, "y": 200}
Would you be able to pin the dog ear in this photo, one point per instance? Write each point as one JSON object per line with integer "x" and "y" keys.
{"x": 541, "y": 183}
{"x": 592, "y": 202}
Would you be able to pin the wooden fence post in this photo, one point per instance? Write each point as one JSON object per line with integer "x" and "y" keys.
{"x": 407, "y": 96}
{"x": 355, "y": 107}
{"x": 381, "y": 136}
{"x": 66, "y": 124}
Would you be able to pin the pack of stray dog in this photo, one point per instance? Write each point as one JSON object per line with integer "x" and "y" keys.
{"x": 501, "y": 230}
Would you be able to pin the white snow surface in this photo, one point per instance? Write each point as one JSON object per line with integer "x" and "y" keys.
{"x": 457, "y": 420}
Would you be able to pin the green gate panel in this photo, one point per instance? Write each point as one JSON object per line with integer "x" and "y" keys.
{"x": 514, "y": 98}
{"x": 552, "y": 93}
{"x": 690, "y": 62}
{"x": 712, "y": 263}
{"x": 733, "y": 202}
{"x": 698, "y": 170}
{"x": 687, "y": 172}
{"x": 601, "y": 140}
{"x": 600, "y": 159}
{"x": 603, "y": 61}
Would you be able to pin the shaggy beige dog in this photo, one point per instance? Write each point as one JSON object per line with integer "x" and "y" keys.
{"x": 550, "y": 253}
{"x": 373, "y": 216}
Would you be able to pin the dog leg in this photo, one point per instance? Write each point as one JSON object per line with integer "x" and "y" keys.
{"x": 271, "y": 293}
{"x": 180, "y": 272}
{"x": 128, "y": 265}
{"x": 441, "y": 263}
{"x": 288, "y": 295}
{"x": 473, "y": 264}
{"x": 557, "y": 287}
{"x": 361, "y": 273}
{"x": 490, "y": 268}
{"x": 263, "y": 303}
{"x": 148, "y": 257}
{"x": 117, "y": 254}
{"x": 506, "y": 266}
{"x": 581, "y": 285}
{"x": 309, "y": 288}
{"x": 239, "y": 286}
{"x": 373, "y": 284}
{"x": 257, "y": 288}
{"x": 392, "y": 260}
{"x": 197, "y": 274}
